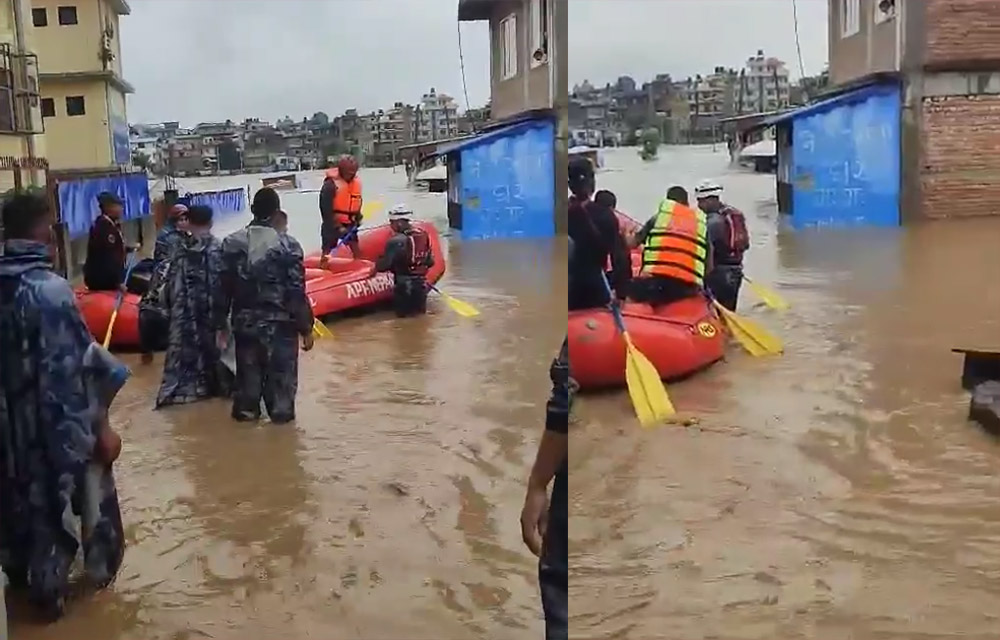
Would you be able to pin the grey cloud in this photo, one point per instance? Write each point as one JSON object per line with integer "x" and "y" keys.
{"x": 640, "y": 38}
{"x": 208, "y": 60}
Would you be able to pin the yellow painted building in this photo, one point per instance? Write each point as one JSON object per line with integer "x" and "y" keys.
{"x": 21, "y": 134}
{"x": 82, "y": 89}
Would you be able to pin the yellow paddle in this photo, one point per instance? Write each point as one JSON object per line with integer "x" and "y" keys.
{"x": 320, "y": 330}
{"x": 645, "y": 388}
{"x": 767, "y": 296}
{"x": 463, "y": 309}
{"x": 757, "y": 340}
{"x": 118, "y": 301}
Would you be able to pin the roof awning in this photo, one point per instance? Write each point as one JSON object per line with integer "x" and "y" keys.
{"x": 848, "y": 97}
{"x": 500, "y": 132}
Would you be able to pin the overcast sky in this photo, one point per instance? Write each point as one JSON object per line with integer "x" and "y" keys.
{"x": 208, "y": 60}
{"x": 640, "y": 38}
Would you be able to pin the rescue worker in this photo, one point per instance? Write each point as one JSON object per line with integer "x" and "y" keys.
{"x": 154, "y": 328}
{"x": 729, "y": 238}
{"x": 675, "y": 252}
{"x": 192, "y": 298}
{"x": 408, "y": 257}
{"x": 595, "y": 232}
{"x": 544, "y": 523}
{"x": 104, "y": 268}
{"x": 340, "y": 207}
{"x": 57, "y": 494}
{"x": 263, "y": 283}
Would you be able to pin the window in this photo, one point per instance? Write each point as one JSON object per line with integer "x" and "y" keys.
{"x": 508, "y": 47}
{"x": 850, "y": 17}
{"x": 884, "y": 14}
{"x": 67, "y": 15}
{"x": 539, "y": 32}
{"x": 40, "y": 17}
{"x": 75, "y": 106}
{"x": 48, "y": 108}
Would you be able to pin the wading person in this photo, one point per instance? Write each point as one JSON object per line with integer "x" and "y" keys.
{"x": 193, "y": 298}
{"x": 408, "y": 257}
{"x": 340, "y": 207}
{"x": 544, "y": 523}
{"x": 104, "y": 268}
{"x": 153, "y": 315}
{"x": 675, "y": 252}
{"x": 594, "y": 229}
{"x": 263, "y": 282}
{"x": 729, "y": 238}
{"x": 57, "y": 493}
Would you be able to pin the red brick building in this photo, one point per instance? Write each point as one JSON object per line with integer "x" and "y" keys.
{"x": 948, "y": 55}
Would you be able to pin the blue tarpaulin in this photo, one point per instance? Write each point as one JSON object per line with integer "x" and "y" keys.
{"x": 222, "y": 202}
{"x": 78, "y": 199}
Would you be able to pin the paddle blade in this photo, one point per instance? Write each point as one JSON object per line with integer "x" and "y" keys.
{"x": 645, "y": 388}
{"x": 368, "y": 209}
{"x": 111, "y": 325}
{"x": 320, "y": 330}
{"x": 757, "y": 340}
{"x": 463, "y": 309}
{"x": 769, "y": 297}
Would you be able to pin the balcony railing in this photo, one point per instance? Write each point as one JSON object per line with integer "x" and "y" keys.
{"x": 19, "y": 96}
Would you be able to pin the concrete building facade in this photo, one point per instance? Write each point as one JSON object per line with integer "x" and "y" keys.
{"x": 947, "y": 55}
{"x": 22, "y": 139}
{"x": 81, "y": 85}
{"x": 529, "y": 68}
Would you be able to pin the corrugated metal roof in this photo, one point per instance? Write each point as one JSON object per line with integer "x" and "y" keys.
{"x": 857, "y": 95}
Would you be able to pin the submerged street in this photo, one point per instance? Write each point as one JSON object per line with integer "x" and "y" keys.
{"x": 388, "y": 510}
{"x": 834, "y": 492}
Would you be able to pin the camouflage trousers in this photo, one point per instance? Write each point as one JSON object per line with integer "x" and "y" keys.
{"x": 267, "y": 368}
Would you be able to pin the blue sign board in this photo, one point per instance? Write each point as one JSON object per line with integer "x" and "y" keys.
{"x": 508, "y": 183}
{"x": 845, "y": 161}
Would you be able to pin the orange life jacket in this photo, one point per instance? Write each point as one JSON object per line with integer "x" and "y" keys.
{"x": 347, "y": 200}
{"x": 677, "y": 245}
{"x": 420, "y": 251}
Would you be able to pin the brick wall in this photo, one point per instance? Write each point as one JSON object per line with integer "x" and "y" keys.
{"x": 960, "y": 31}
{"x": 960, "y": 156}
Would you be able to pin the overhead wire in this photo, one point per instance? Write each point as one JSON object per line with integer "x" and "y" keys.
{"x": 798, "y": 44}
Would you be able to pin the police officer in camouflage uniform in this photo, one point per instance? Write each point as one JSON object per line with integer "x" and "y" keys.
{"x": 57, "y": 491}
{"x": 192, "y": 297}
{"x": 263, "y": 281}
{"x": 153, "y": 322}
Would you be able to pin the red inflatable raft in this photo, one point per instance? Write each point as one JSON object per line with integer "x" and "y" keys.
{"x": 347, "y": 283}
{"x": 344, "y": 284}
{"x": 679, "y": 339}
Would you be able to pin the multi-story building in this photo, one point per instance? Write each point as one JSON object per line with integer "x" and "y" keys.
{"x": 22, "y": 143}
{"x": 436, "y": 117}
{"x": 946, "y": 55}
{"x": 391, "y": 129}
{"x": 147, "y": 147}
{"x": 765, "y": 85}
{"x": 83, "y": 92}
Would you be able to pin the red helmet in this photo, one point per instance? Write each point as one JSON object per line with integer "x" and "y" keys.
{"x": 348, "y": 165}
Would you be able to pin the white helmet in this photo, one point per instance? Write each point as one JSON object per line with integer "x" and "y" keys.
{"x": 400, "y": 212}
{"x": 708, "y": 189}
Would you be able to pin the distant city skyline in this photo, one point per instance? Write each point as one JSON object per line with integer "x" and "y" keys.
{"x": 700, "y": 35}
{"x": 219, "y": 60}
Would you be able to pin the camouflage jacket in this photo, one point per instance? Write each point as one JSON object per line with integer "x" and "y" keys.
{"x": 263, "y": 279}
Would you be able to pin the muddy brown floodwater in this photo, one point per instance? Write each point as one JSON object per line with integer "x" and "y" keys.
{"x": 389, "y": 510}
{"x": 837, "y": 492}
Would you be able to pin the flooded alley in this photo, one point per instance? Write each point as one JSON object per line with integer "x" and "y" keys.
{"x": 834, "y": 492}
{"x": 388, "y": 510}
